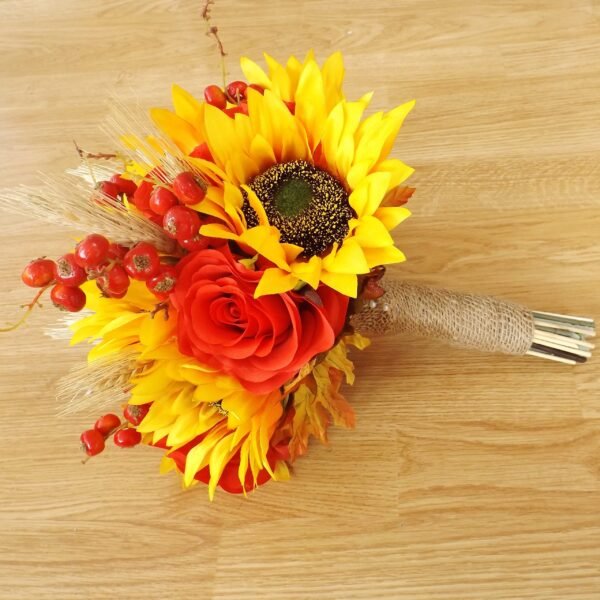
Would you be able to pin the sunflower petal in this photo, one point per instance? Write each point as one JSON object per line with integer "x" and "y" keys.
{"x": 275, "y": 281}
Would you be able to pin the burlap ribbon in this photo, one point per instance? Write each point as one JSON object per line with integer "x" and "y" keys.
{"x": 478, "y": 322}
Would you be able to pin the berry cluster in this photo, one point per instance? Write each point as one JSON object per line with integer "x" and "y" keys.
{"x": 93, "y": 441}
{"x": 168, "y": 206}
{"x": 111, "y": 265}
{"x": 236, "y": 95}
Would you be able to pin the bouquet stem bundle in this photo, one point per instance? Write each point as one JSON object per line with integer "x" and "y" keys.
{"x": 476, "y": 322}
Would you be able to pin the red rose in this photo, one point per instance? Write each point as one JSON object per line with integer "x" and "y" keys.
{"x": 262, "y": 342}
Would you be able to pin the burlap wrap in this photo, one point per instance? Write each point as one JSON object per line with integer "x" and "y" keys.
{"x": 477, "y": 322}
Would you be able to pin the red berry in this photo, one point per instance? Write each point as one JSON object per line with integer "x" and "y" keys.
{"x": 69, "y": 272}
{"x": 108, "y": 188}
{"x": 259, "y": 88}
{"x": 181, "y": 223}
{"x": 114, "y": 283}
{"x": 135, "y": 413}
{"x": 142, "y": 261}
{"x": 152, "y": 216}
{"x": 237, "y": 90}
{"x": 188, "y": 189}
{"x": 92, "y": 441}
{"x": 39, "y": 272}
{"x": 126, "y": 186}
{"x": 162, "y": 285}
{"x": 116, "y": 251}
{"x": 107, "y": 423}
{"x": 198, "y": 242}
{"x": 92, "y": 251}
{"x": 242, "y": 109}
{"x": 67, "y": 298}
{"x": 127, "y": 438}
{"x": 202, "y": 151}
{"x": 214, "y": 95}
{"x": 141, "y": 197}
{"x": 161, "y": 200}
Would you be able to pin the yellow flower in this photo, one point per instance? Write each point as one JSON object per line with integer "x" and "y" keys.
{"x": 300, "y": 184}
{"x": 187, "y": 398}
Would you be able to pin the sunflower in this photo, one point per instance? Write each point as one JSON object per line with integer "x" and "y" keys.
{"x": 300, "y": 179}
{"x": 190, "y": 403}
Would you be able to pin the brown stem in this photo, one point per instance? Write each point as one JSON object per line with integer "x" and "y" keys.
{"x": 213, "y": 31}
{"x": 30, "y": 307}
{"x": 98, "y": 156}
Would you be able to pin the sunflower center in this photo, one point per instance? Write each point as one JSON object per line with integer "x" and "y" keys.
{"x": 292, "y": 197}
{"x": 308, "y": 205}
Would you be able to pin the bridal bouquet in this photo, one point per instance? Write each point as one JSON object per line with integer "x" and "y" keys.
{"x": 233, "y": 256}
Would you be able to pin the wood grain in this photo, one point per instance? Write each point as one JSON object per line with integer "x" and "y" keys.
{"x": 468, "y": 476}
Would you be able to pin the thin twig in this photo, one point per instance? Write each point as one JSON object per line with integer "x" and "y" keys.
{"x": 29, "y": 307}
{"x": 213, "y": 31}
{"x": 94, "y": 156}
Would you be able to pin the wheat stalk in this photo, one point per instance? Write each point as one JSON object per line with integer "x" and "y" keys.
{"x": 101, "y": 384}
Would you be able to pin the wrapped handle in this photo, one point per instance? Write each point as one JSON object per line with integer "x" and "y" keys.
{"x": 477, "y": 322}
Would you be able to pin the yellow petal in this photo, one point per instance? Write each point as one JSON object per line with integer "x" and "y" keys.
{"x": 275, "y": 281}
{"x": 392, "y": 216}
{"x": 256, "y": 205}
{"x": 218, "y": 231}
{"x": 188, "y": 108}
{"x": 253, "y": 73}
{"x": 219, "y": 458}
{"x": 369, "y": 194}
{"x": 308, "y": 271}
{"x": 383, "y": 256}
{"x": 181, "y": 132}
{"x": 280, "y": 81}
{"x": 371, "y": 233}
{"x": 265, "y": 241}
{"x": 341, "y": 282}
{"x": 348, "y": 259}
{"x": 220, "y": 132}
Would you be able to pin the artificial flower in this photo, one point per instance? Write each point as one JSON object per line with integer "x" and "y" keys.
{"x": 261, "y": 342}
{"x": 301, "y": 179}
{"x": 191, "y": 405}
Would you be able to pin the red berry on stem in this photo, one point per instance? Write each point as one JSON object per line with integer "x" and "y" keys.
{"x": 39, "y": 272}
{"x": 116, "y": 251}
{"x": 202, "y": 151}
{"x": 135, "y": 413}
{"x": 161, "y": 200}
{"x": 69, "y": 272}
{"x": 237, "y": 90}
{"x": 181, "y": 223}
{"x": 92, "y": 251}
{"x": 92, "y": 442}
{"x": 259, "y": 88}
{"x": 127, "y": 438}
{"x": 107, "y": 423}
{"x": 162, "y": 285}
{"x": 188, "y": 189}
{"x": 236, "y": 110}
{"x": 67, "y": 298}
{"x": 108, "y": 188}
{"x": 215, "y": 96}
{"x": 142, "y": 261}
{"x": 114, "y": 283}
{"x": 125, "y": 186}
{"x": 198, "y": 242}
{"x": 141, "y": 197}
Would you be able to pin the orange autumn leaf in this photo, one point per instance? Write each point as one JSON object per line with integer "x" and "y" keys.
{"x": 318, "y": 402}
{"x": 398, "y": 196}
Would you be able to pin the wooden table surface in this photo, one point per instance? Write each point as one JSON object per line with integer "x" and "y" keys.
{"x": 468, "y": 476}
